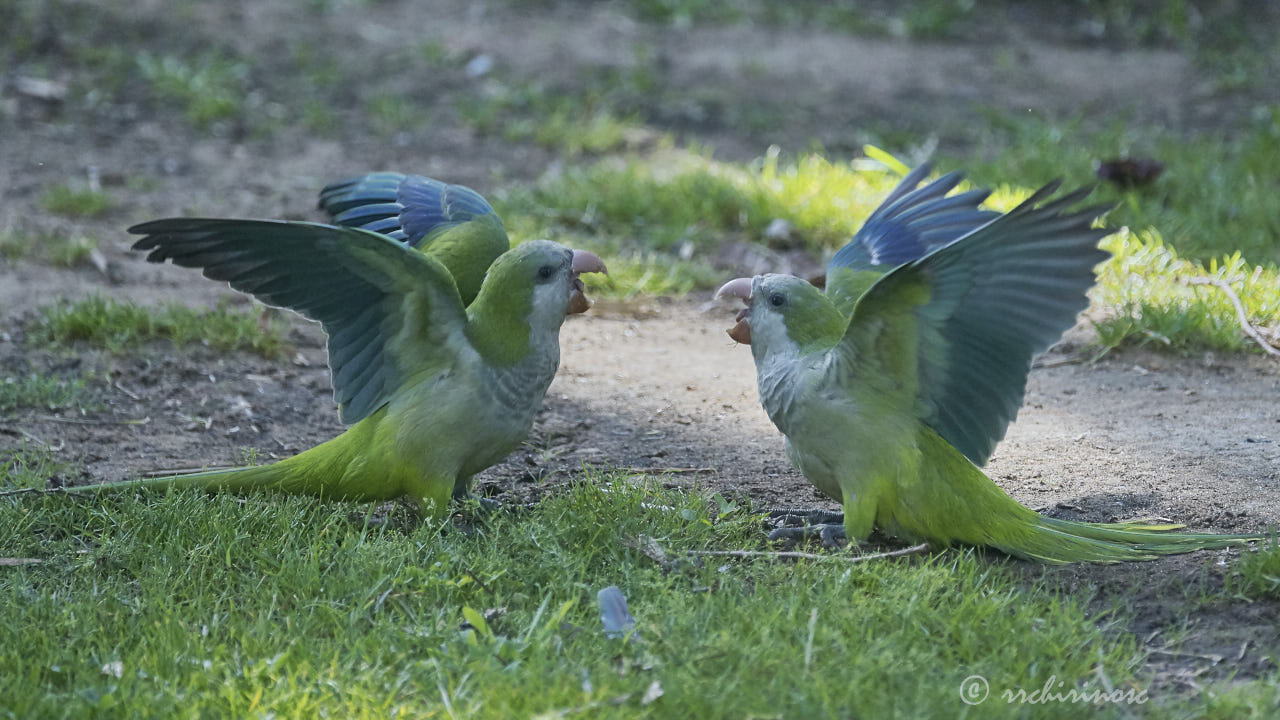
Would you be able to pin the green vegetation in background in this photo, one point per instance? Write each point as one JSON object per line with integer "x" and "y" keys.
{"x": 1232, "y": 40}
{"x": 24, "y": 467}
{"x": 1151, "y": 296}
{"x": 59, "y": 250}
{"x": 71, "y": 202}
{"x": 43, "y": 391}
{"x": 665, "y": 201}
{"x": 230, "y": 607}
{"x": 209, "y": 88}
{"x": 673, "y": 209}
{"x": 1216, "y": 196}
{"x": 528, "y": 112}
{"x": 117, "y": 325}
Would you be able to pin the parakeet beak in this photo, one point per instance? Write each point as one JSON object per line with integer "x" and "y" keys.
{"x": 740, "y": 288}
{"x": 583, "y": 261}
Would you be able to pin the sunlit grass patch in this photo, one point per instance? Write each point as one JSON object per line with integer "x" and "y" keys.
{"x": 116, "y": 325}
{"x": 672, "y": 198}
{"x": 69, "y": 201}
{"x": 147, "y": 603}
{"x": 1151, "y": 296}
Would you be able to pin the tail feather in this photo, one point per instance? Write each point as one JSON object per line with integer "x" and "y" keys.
{"x": 1062, "y": 541}
{"x": 258, "y": 478}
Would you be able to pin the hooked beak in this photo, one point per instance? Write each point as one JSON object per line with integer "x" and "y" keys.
{"x": 739, "y": 288}
{"x": 583, "y": 262}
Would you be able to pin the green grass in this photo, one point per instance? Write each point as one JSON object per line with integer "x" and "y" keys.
{"x": 661, "y": 202}
{"x": 58, "y": 250}
{"x": 209, "y": 606}
{"x": 76, "y": 203}
{"x": 119, "y": 325}
{"x": 209, "y": 88}
{"x": 572, "y": 121}
{"x": 1147, "y": 299}
{"x": 43, "y": 391}
{"x": 1257, "y": 574}
{"x": 25, "y": 467}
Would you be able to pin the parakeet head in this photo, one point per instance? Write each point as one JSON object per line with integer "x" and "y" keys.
{"x": 542, "y": 276}
{"x": 783, "y": 311}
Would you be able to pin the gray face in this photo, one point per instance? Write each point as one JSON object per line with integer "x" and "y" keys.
{"x": 771, "y": 300}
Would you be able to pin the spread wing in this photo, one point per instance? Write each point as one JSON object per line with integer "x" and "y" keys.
{"x": 959, "y": 326}
{"x": 452, "y": 223}
{"x": 388, "y": 311}
{"x": 910, "y": 223}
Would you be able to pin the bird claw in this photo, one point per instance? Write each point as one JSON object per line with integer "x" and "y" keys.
{"x": 831, "y": 536}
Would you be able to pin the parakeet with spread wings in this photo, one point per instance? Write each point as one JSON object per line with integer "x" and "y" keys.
{"x": 893, "y": 386}
{"x": 442, "y": 338}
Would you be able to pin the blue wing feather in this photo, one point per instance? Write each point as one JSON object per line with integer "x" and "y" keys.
{"x": 418, "y": 207}
{"x": 913, "y": 221}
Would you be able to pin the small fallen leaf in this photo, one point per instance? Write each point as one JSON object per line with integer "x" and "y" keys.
{"x": 613, "y": 613}
{"x": 653, "y": 693}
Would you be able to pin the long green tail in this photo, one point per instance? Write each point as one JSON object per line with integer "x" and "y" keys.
{"x": 956, "y": 502}
{"x": 1063, "y": 541}
{"x": 258, "y": 478}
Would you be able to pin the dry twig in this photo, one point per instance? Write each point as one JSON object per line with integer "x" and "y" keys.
{"x": 1241, "y": 316}
{"x": 26, "y": 491}
{"x": 792, "y": 555}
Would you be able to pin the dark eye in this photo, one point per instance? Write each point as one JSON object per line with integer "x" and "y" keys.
{"x": 777, "y": 299}
{"x": 544, "y": 272}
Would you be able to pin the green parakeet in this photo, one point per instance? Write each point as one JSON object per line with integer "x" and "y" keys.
{"x": 894, "y": 385}
{"x": 435, "y": 390}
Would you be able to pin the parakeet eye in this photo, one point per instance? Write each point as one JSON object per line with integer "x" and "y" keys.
{"x": 777, "y": 299}
{"x": 544, "y": 272}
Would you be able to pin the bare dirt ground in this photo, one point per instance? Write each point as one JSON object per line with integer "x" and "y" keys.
{"x": 653, "y": 385}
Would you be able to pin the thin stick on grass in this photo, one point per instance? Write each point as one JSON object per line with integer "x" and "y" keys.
{"x": 1241, "y": 316}
{"x": 27, "y": 491}
{"x": 792, "y": 555}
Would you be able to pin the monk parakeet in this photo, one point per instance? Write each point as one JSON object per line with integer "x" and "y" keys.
{"x": 894, "y": 385}
{"x": 435, "y": 389}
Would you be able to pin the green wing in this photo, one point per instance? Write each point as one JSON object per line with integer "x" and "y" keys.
{"x": 959, "y": 326}
{"x": 387, "y": 309}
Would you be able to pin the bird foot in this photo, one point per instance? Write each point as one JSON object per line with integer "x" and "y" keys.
{"x": 832, "y": 536}
{"x": 792, "y": 517}
{"x": 793, "y": 526}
